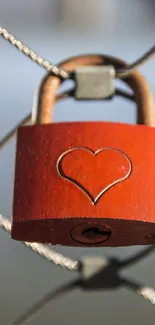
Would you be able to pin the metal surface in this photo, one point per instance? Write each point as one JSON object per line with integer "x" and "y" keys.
{"x": 137, "y": 83}
{"x": 32, "y": 55}
{"x": 120, "y": 73}
{"x": 93, "y": 265}
{"x": 94, "y": 82}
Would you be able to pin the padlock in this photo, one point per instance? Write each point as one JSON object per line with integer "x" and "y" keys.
{"x": 86, "y": 183}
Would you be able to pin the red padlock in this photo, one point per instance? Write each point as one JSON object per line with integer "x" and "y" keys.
{"x": 86, "y": 183}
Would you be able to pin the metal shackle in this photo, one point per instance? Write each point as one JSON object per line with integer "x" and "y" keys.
{"x": 137, "y": 83}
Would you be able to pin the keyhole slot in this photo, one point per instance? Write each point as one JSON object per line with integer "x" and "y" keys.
{"x": 95, "y": 232}
{"x": 89, "y": 234}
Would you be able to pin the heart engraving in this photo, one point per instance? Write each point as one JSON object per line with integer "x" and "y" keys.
{"x": 94, "y": 172}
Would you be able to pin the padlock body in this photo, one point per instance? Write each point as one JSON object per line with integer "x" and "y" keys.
{"x": 74, "y": 178}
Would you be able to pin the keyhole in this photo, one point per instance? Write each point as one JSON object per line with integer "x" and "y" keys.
{"x": 90, "y": 235}
{"x": 94, "y": 232}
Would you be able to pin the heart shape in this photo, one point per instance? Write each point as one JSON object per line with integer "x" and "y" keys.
{"x": 84, "y": 168}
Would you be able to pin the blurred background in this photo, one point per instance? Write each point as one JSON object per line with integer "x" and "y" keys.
{"x": 57, "y": 29}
